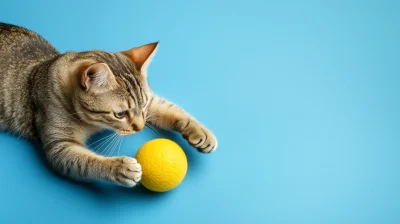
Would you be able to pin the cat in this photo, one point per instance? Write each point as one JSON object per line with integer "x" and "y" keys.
{"x": 59, "y": 100}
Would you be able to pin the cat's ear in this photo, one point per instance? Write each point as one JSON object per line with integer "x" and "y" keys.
{"x": 141, "y": 56}
{"x": 97, "y": 78}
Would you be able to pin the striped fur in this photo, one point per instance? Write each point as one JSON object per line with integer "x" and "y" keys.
{"x": 45, "y": 97}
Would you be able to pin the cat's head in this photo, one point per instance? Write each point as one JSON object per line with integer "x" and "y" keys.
{"x": 113, "y": 92}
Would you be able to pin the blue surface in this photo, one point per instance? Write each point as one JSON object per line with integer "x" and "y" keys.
{"x": 302, "y": 95}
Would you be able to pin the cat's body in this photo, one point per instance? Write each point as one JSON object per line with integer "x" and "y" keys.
{"x": 62, "y": 99}
{"x": 21, "y": 52}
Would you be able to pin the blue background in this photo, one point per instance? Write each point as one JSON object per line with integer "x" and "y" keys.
{"x": 302, "y": 95}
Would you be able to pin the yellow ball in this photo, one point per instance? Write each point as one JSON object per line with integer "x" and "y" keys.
{"x": 164, "y": 164}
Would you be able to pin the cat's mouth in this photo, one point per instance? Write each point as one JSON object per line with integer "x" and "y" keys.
{"x": 126, "y": 132}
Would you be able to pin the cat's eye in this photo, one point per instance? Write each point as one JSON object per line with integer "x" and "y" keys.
{"x": 120, "y": 114}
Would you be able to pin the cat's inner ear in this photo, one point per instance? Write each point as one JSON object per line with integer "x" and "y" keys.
{"x": 141, "y": 56}
{"x": 97, "y": 78}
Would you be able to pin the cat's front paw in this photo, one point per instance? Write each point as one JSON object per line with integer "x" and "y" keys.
{"x": 200, "y": 138}
{"x": 125, "y": 171}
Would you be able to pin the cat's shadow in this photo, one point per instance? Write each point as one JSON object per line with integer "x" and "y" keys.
{"x": 107, "y": 192}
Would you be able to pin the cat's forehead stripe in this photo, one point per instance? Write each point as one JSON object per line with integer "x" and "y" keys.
{"x": 123, "y": 68}
{"x": 129, "y": 86}
{"x": 129, "y": 103}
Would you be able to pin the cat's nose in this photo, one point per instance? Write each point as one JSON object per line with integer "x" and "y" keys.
{"x": 138, "y": 125}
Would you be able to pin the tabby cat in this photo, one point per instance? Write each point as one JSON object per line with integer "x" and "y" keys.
{"x": 59, "y": 100}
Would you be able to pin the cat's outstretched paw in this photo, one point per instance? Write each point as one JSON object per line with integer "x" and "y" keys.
{"x": 125, "y": 171}
{"x": 200, "y": 138}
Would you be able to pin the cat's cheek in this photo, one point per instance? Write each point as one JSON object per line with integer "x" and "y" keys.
{"x": 103, "y": 126}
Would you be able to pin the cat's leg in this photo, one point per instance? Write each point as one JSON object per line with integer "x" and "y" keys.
{"x": 166, "y": 115}
{"x": 73, "y": 160}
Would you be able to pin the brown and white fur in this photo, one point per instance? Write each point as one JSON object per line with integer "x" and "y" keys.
{"x": 60, "y": 100}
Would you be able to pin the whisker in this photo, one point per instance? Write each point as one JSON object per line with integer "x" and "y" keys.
{"x": 153, "y": 120}
{"x": 151, "y": 131}
{"x": 153, "y": 116}
{"x": 98, "y": 147}
{"x": 104, "y": 151}
{"x": 100, "y": 139}
{"x": 156, "y": 131}
{"x": 115, "y": 144}
{"x": 154, "y": 127}
{"x": 148, "y": 130}
{"x": 154, "y": 113}
{"x": 108, "y": 145}
{"x": 119, "y": 148}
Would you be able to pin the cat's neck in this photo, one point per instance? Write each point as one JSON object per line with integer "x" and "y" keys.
{"x": 59, "y": 116}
